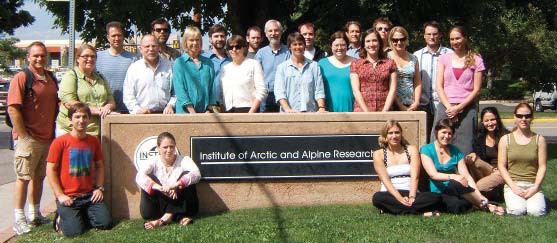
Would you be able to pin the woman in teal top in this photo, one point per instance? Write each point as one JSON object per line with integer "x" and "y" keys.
{"x": 409, "y": 84}
{"x": 336, "y": 75}
{"x": 192, "y": 76}
{"x": 83, "y": 84}
{"x": 445, "y": 165}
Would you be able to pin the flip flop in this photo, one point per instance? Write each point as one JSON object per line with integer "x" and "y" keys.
{"x": 185, "y": 221}
{"x": 434, "y": 213}
{"x": 149, "y": 225}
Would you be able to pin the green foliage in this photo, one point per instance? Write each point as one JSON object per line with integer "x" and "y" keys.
{"x": 506, "y": 90}
{"x": 11, "y": 17}
{"x": 513, "y": 36}
{"x": 9, "y": 52}
{"x": 336, "y": 223}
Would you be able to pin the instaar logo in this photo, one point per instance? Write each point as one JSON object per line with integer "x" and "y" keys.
{"x": 146, "y": 150}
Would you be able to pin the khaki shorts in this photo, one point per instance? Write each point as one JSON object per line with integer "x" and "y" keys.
{"x": 30, "y": 158}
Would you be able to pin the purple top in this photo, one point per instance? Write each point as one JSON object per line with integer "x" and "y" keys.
{"x": 458, "y": 89}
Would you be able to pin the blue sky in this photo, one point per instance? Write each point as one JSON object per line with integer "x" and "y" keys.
{"x": 41, "y": 29}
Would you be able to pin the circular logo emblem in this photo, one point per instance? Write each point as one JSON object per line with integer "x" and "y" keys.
{"x": 146, "y": 150}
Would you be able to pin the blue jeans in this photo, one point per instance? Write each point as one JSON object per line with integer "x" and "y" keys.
{"x": 82, "y": 214}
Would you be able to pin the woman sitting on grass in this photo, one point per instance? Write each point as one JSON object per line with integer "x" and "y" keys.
{"x": 398, "y": 166}
{"x": 167, "y": 184}
{"x": 445, "y": 165}
{"x": 522, "y": 163}
{"x": 482, "y": 162}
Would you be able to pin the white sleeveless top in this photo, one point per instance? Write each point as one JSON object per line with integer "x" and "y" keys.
{"x": 400, "y": 174}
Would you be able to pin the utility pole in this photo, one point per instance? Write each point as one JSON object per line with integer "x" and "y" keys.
{"x": 71, "y": 24}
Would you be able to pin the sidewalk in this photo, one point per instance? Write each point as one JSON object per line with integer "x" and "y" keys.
{"x": 48, "y": 205}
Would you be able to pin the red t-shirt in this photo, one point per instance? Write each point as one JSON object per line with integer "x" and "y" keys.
{"x": 76, "y": 162}
{"x": 38, "y": 119}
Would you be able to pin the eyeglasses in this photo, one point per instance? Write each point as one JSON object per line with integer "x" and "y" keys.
{"x": 525, "y": 116}
{"x": 396, "y": 40}
{"x": 88, "y": 57}
{"x": 232, "y": 47}
{"x": 159, "y": 30}
{"x": 385, "y": 29}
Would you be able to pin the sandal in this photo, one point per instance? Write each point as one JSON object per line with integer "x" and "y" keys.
{"x": 434, "y": 213}
{"x": 492, "y": 207}
{"x": 56, "y": 223}
{"x": 149, "y": 225}
{"x": 185, "y": 221}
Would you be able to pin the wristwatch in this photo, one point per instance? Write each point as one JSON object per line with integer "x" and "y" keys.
{"x": 101, "y": 188}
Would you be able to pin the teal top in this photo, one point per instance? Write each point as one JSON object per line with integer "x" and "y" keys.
{"x": 338, "y": 91}
{"x": 405, "y": 82}
{"x": 193, "y": 84}
{"x": 449, "y": 167}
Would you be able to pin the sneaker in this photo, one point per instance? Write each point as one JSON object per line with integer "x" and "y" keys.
{"x": 38, "y": 220}
{"x": 21, "y": 227}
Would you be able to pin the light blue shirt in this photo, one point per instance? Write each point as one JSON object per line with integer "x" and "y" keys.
{"x": 269, "y": 61}
{"x": 193, "y": 84}
{"x": 428, "y": 72}
{"x": 301, "y": 87}
{"x": 217, "y": 65}
{"x": 353, "y": 52}
{"x": 113, "y": 68}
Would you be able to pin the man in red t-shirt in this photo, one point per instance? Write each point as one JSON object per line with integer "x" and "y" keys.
{"x": 75, "y": 170}
{"x": 32, "y": 113}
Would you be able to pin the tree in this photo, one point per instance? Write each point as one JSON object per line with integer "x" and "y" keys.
{"x": 12, "y": 18}
{"x": 513, "y": 36}
{"x": 9, "y": 52}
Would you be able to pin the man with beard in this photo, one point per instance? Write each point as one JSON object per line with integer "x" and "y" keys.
{"x": 253, "y": 36}
{"x": 113, "y": 63}
{"x": 270, "y": 57}
{"x": 148, "y": 81}
{"x": 312, "y": 52}
{"x": 160, "y": 29}
{"x": 217, "y": 54}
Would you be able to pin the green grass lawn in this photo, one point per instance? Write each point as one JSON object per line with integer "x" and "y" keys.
{"x": 337, "y": 223}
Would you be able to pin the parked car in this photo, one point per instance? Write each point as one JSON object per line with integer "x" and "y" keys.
{"x": 4, "y": 86}
{"x": 545, "y": 100}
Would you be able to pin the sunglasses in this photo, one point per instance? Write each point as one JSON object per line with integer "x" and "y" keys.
{"x": 237, "y": 47}
{"x": 382, "y": 29}
{"x": 520, "y": 116}
{"x": 159, "y": 30}
{"x": 396, "y": 40}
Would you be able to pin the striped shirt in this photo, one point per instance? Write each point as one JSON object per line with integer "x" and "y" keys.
{"x": 428, "y": 72}
{"x": 113, "y": 68}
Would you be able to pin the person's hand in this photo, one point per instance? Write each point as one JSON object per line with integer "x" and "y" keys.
{"x": 103, "y": 111}
{"x": 168, "y": 110}
{"x": 291, "y": 111}
{"x": 65, "y": 200}
{"x": 530, "y": 192}
{"x": 166, "y": 188}
{"x": 97, "y": 196}
{"x": 413, "y": 107}
{"x": 518, "y": 191}
{"x": 172, "y": 194}
{"x": 411, "y": 200}
{"x": 470, "y": 158}
{"x": 143, "y": 110}
{"x": 322, "y": 110}
{"x": 452, "y": 111}
{"x": 404, "y": 201}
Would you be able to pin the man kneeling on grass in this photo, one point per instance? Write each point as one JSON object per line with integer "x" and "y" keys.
{"x": 75, "y": 171}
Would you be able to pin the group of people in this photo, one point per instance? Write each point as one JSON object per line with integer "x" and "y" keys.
{"x": 59, "y": 123}
{"x": 504, "y": 166}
